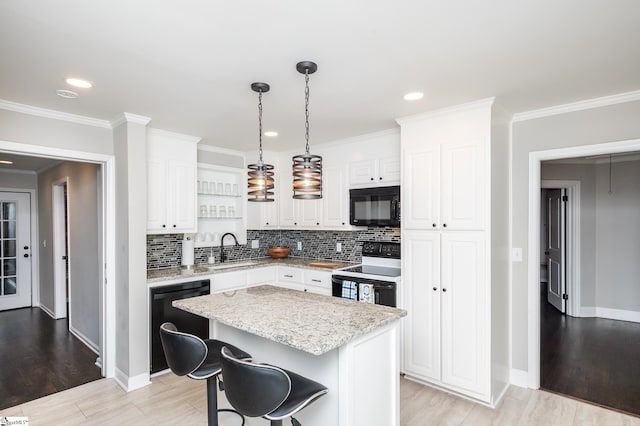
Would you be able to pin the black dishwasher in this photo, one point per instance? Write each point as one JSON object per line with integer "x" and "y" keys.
{"x": 162, "y": 311}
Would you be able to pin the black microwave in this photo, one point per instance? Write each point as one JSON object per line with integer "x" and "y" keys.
{"x": 378, "y": 206}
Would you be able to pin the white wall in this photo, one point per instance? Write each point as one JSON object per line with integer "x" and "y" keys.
{"x": 84, "y": 244}
{"x": 617, "y": 232}
{"x": 591, "y": 126}
{"x": 18, "y": 180}
{"x": 585, "y": 173}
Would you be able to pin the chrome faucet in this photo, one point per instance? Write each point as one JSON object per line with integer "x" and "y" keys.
{"x": 223, "y": 257}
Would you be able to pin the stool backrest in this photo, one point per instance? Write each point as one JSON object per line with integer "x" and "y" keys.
{"x": 253, "y": 389}
{"x": 184, "y": 352}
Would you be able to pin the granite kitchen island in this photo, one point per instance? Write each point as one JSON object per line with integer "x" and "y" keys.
{"x": 350, "y": 347}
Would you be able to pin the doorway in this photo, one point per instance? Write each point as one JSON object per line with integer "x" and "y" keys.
{"x": 107, "y": 254}
{"x": 582, "y": 354}
{"x": 60, "y": 210}
{"x": 15, "y": 250}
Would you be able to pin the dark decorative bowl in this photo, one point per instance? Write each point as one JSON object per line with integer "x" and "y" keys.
{"x": 278, "y": 252}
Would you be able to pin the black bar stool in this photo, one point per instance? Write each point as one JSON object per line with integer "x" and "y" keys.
{"x": 199, "y": 359}
{"x": 265, "y": 390}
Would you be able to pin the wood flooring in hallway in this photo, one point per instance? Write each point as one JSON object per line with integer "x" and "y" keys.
{"x": 593, "y": 359}
{"x": 38, "y": 357}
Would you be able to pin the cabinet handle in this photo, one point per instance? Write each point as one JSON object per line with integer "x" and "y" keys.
{"x": 316, "y": 281}
{"x": 434, "y": 225}
{"x": 444, "y": 225}
{"x": 288, "y": 276}
{"x": 444, "y": 290}
{"x": 435, "y": 289}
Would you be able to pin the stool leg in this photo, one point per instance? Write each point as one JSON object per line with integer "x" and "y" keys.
{"x": 276, "y": 422}
{"x": 212, "y": 401}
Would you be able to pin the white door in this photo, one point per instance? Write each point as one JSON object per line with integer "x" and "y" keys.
{"x": 465, "y": 313}
{"x": 421, "y": 298}
{"x": 15, "y": 250}
{"x": 421, "y": 188}
{"x": 556, "y": 248}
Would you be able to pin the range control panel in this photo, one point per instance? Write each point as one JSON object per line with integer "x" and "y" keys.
{"x": 386, "y": 249}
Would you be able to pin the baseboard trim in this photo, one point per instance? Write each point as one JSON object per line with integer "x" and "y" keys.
{"x": 519, "y": 378}
{"x": 609, "y": 313}
{"x": 84, "y": 339}
{"x": 47, "y": 311}
{"x": 131, "y": 383}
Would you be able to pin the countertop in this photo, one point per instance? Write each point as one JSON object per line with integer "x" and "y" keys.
{"x": 309, "y": 322}
{"x": 156, "y": 275}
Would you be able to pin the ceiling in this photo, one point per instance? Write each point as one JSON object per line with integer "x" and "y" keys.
{"x": 188, "y": 65}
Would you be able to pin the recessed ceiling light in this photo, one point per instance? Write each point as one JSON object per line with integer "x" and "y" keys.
{"x": 271, "y": 133}
{"x": 78, "y": 82}
{"x": 413, "y": 96}
{"x": 6, "y": 162}
{"x": 66, "y": 94}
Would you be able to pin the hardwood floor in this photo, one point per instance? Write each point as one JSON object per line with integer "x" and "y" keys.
{"x": 38, "y": 356}
{"x": 171, "y": 400}
{"x": 593, "y": 359}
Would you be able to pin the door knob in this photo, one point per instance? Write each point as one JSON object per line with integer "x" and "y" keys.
{"x": 26, "y": 247}
{"x": 26, "y": 255}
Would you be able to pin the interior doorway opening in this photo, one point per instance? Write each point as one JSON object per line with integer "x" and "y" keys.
{"x": 62, "y": 282}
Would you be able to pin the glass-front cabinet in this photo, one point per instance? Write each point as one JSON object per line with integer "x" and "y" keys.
{"x": 221, "y": 205}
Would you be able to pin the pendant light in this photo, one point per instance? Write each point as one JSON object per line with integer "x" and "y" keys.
{"x": 307, "y": 168}
{"x": 260, "y": 180}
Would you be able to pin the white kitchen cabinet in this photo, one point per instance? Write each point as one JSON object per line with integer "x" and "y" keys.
{"x": 265, "y": 275}
{"x": 454, "y": 234}
{"x": 226, "y": 281}
{"x": 375, "y": 172}
{"x": 446, "y": 331}
{"x": 171, "y": 183}
{"x": 336, "y": 198}
{"x": 451, "y": 181}
{"x": 318, "y": 282}
{"x": 298, "y": 213}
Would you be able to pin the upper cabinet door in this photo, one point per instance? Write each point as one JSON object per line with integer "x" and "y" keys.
{"x": 182, "y": 178}
{"x": 389, "y": 171}
{"x": 420, "y": 200}
{"x": 336, "y": 197}
{"x": 363, "y": 172}
{"x": 156, "y": 194}
{"x": 463, "y": 185}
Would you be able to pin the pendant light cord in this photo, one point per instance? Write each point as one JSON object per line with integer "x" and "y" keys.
{"x": 260, "y": 123}
{"x": 306, "y": 108}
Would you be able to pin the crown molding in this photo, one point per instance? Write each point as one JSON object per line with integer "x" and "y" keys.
{"x": 55, "y": 115}
{"x": 487, "y": 102}
{"x": 577, "y": 106}
{"x": 127, "y": 117}
{"x": 220, "y": 150}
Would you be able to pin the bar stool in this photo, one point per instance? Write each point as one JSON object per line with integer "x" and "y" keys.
{"x": 265, "y": 390}
{"x": 199, "y": 359}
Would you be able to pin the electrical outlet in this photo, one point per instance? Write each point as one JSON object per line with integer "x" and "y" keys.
{"x": 299, "y": 245}
{"x": 255, "y": 243}
{"x": 338, "y": 246}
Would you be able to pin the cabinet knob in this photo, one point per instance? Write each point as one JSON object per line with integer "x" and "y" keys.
{"x": 174, "y": 225}
{"x": 434, "y": 225}
{"x": 380, "y": 178}
{"x": 164, "y": 226}
{"x": 295, "y": 223}
{"x": 444, "y": 225}
{"x": 435, "y": 289}
{"x": 317, "y": 223}
{"x": 371, "y": 178}
{"x": 444, "y": 290}
{"x": 267, "y": 223}
{"x": 343, "y": 223}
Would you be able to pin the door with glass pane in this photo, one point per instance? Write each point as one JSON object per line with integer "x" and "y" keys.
{"x": 15, "y": 250}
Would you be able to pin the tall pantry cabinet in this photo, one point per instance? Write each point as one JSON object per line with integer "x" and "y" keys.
{"x": 454, "y": 240}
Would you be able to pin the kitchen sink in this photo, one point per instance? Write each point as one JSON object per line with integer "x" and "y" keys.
{"x": 230, "y": 265}
{"x": 328, "y": 265}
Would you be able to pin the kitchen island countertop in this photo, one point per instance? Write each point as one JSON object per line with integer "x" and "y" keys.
{"x": 309, "y": 322}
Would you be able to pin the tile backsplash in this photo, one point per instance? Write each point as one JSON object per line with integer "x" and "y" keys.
{"x": 165, "y": 251}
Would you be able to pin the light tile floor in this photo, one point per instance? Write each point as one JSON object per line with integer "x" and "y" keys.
{"x": 173, "y": 400}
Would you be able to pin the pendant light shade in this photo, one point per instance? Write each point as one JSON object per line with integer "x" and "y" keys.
{"x": 260, "y": 180}
{"x": 307, "y": 168}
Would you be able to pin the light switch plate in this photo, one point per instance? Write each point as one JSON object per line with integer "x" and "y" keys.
{"x": 338, "y": 246}
{"x": 299, "y": 245}
{"x": 255, "y": 243}
{"x": 516, "y": 254}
